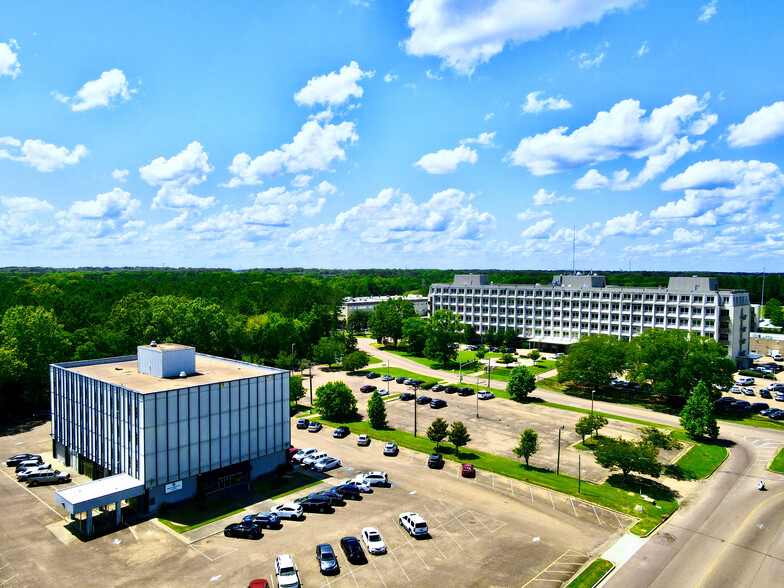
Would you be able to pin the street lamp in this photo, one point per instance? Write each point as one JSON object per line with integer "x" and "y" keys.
{"x": 415, "y": 387}
{"x": 592, "y": 393}
{"x": 310, "y": 377}
{"x": 477, "y": 397}
{"x": 387, "y": 377}
{"x": 558, "y": 466}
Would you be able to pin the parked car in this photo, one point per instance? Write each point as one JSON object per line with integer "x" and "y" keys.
{"x": 451, "y": 389}
{"x": 779, "y": 396}
{"x": 336, "y": 498}
{"x": 286, "y": 572}
{"x": 352, "y": 548}
{"x": 313, "y": 458}
{"x": 408, "y": 381}
{"x": 383, "y": 392}
{"x": 303, "y": 423}
{"x": 48, "y": 477}
{"x": 776, "y": 386}
{"x": 367, "y": 388}
{"x": 765, "y": 394}
{"x": 22, "y": 475}
{"x": 291, "y": 452}
{"x": 243, "y": 531}
{"x": 777, "y": 357}
{"x": 437, "y": 403}
{"x": 414, "y": 524}
{"x": 363, "y": 440}
{"x": 758, "y": 406}
{"x": 736, "y": 390}
{"x": 401, "y": 380}
{"x": 288, "y": 510}
{"x": 776, "y": 415}
{"x": 259, "y": 583}
{"x": 341, "y": 432}
{"x": 267, "y": 520}
{"x": 467, "y": 470}
{"x": 423, "y": 400}
{"x": 438, "y": 388}
{"x": 314, "y": 503}
{"x": 407, "y": 396}
{"x": 303, "y": 453}
{"x": 485, "y": 395}
{"x": 375, "y": 478}
{"x": 465, "y": 391}
{"x": 373, "y": 541}
{"x": 327, "y": 463}
{"x": 391, "y": 448}
{"x": 725, "y": 401}
{"x": 20, "y": 457}
{"x": 372, "y": 375}
{"x": 741, "y": 405}
{"x": 348, "y": 491}
{"x": 315, "y": 427}
{"x": 745, "y": 381}
{"x": 557, "y": 355}
{"x": 387, "y": 378}
{"x": 747, "y": 391}
{"x": 359, "y": 484}
{"x": 435, "y": 461}
{"x": 328, "y": 562}
{"x": 29, "y": 463}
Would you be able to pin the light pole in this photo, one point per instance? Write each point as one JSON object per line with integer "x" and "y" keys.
{"x": 558, "y": 463}
{"x": 415, "y": 387}
{"x": 592, "y": 393}
{"x": 387, "y": 377}
{"x": 579, "y": 477}
{"x": 477, "y": 397}
{"x": 310, "y": 377}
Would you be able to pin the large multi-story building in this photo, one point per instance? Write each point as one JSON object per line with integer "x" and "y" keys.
{"x": 553, "y": 316}
{"x": 168, "y": 423}
{"x": 369, "y": 303}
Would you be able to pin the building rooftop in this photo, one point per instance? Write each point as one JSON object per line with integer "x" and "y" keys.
{"x": 209, "y": 370}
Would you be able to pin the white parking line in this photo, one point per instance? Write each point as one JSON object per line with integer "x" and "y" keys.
{"x": 440, "y": 524}
{"x": 34, "y": 496}
{"x": 597, "y": 515}
{"x": 231, "y": 550}
{"x": 9, "y": 579}
{"x": 402, "y": 569}
{"x": 574, "y": 509}
{"x": 408, "y": 542}
{"x": 551, "y": 500}
{"x": 532, "y": 492}
{"x": 457, "y": 518}
{"x": 410, "y": 459}
{"x": 377, "y": 572}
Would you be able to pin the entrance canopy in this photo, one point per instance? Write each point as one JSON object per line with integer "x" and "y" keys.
{"x": 98, "y": 493}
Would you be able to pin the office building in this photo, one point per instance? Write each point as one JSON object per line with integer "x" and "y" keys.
{"x": 369, "y": 303}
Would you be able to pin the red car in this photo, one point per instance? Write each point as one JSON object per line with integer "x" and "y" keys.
{"x": 258, "y": 584}
{"x": 468, "y": 471}
{"x": 367, "y": 388}
{"x": 290, "y": 453}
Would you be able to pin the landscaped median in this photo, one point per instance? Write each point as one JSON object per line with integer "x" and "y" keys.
{"x": 611, "y": 494}
{"x": 777, "y": 465}
{"x": 400, "y": 373}
{"x": 592, "y": 574}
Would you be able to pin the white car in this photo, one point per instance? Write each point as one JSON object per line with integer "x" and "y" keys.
{"x": 288, "y": 510}
{"x": 736, "y": 390}
{"x": 373, "y": 541}
{"x": 326, "y": 463}
{"x": 413, "y": 523}
{"x": 303, "y": 453}
{"x": 383, "y": 392}
{"x": 286, "y": 572}
{"x": 313, "y": 458}
{"x": 485, "y": 395}
{"x": 745, "y": 381}
{"x": 375, "y": 478}
{"x": 363, "y": 440}
{"x": 360, "y": 484}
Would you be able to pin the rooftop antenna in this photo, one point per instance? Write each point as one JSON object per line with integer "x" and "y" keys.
{"x": 574, "y": 239}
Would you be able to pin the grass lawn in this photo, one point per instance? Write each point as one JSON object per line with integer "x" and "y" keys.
{"x": 502, "y": 373}
{"x": 398, "y": 372}
{"x": 613, "y": 494}
{"x": 592, "y": 574}
{"x": 196, "y": 513}
{"x": 777, "y": 465}
{"x": 700, "y": 461}
{"x": 463, "y": 356}
{"x": 279, "y": 486}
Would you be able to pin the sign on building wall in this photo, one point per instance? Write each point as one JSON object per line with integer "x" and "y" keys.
{"x": 173, "y": 487}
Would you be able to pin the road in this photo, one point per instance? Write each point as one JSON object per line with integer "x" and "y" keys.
{"x": 731, "y": 535}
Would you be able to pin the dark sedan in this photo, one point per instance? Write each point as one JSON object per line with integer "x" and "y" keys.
{"x": 347, "y": 491}
{"x": 372, "y": 375}
{"x": 407, "y": 396}
{"x": 243, "y": 530}
{"x": 314, "y": 503}
{"x": 465, "y": 391}
{"x": 423, "y": 400}
{"x": 19, "y": 458}
{"x": 401, "y": 379}
{"x": 328, "y": 563}
{"x": 353, "y": 550}
{"x": 335, "y": 498}
{"x": 367, "y": 388}
{"x": 341, "y": 432}
{"x": 437, "y": 403}
{"x": 435, "y": 461}
{"x": 451, "y": 389}
{"x": 263, "y": 519}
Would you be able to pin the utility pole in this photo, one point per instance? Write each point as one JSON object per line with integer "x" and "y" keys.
{"x": 762, "y": 302}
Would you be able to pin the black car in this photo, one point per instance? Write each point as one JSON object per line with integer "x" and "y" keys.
{"x": 20, "y": 457}
{"x": 372, "y": 375}
{"x": 267, "y": 520}
{"x": 765, "y": 394}
{"x": 303, "y": 423}
{"x": 243, "y": 530}
{"x": 511, "y": 350}
{"x": 335, "y": 498}
{"x": 328, "y": 563}
{"x": 401, "y": 379}
{"x": 437, "y": 403}
{"x": 314, "y": 503}
{"x": 465, "y": 392}
{"x": 353, "y": 550}
{"x": 407, "y": 396}
{"x": 451, "y": 389}
{"x": 438, "y": 388}
{"x": 741, "y": 405}
{"x": 423, "y": 400}
{"x": 435, "y": 461}
{"x": 759, "y": 406}
{"x": 348, "y": 491}
{"x": 725, "y": 400}
{"x": 776, "y": 415}
{"x": 341, "y": 432}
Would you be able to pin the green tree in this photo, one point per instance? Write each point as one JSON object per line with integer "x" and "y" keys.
{"x": 773, "y": 312}
{"x": 377, "y": 411}
{"x": 529, "y": 444}
{"x": 507, "y": 358}
{"x": 296, "y": 389}
{"x": 534, "y": 355}
{"x": 511, "y": 338}
{"x": 437, "y": 431}
{"x": 480, "y": 353}
{"x": 386, "y": 320}
{"x": 674, "y": 361}
{"x": 328, "y": 351}
{"x": 444, "y": 331}
{"x": 415, "y": 332}
{"x": 355, "y": 361}
{"x": 458, "y": 436}
{"x": 286, "y": 361}
{"x": 697, "y": 417}
{"x": 521, "y": 383}
{"x": 335, "y": 402}
{"x": 357, "y": 322}
{"x": 628, "y": 456}
{"x": 584, "y": 427}
{"x": 592, "y": 361}
{"x": 659, "y": 439}
{"x": 597, "y": 422}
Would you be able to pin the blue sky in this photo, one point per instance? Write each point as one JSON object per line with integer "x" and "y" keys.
{"x": 355, "y": 134}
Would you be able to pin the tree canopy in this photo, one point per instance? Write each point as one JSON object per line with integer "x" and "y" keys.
{"x": 444, "y": 331}
{"x": 528, "y": 445}
{"x": 698, "y": 417}
{"x": 377, "y": 412}
{"x": 592, "y": 361}
{"x": 628, "y": 456}
{"x": 458, "y": 436}
{"x": 521, "y": 383}
{"x": 386, "y": 320}
{"x": 437, "y": 431}
{"x": 335, "y": 402}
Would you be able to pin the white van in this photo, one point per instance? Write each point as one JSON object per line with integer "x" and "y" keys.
{"x": 777, "y": 357}
{"x": 313, "y": 458}
{"x": 745, "y": 381}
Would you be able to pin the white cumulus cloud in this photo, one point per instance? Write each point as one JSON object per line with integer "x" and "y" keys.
{"x": 104, "y": 215}
{"x": 333, "y": 88}
{"x": 120, "y": 175}
{"x": 484, "y": 139}
{"x": 708, "y": 11}
{"x": 9, "y": 60}
{"x": 176, "y": 175}
{"x": 40, "y": 155}
{"x": 762, "y": 126}
{"x": 445, "y": 161}
{"x": 534, "y": 104}
{"x": 465, "y": 34}
{"x": 531, "y": 214}
{"x": 390, "y": 77}
{"x": 110, "y": 88}
{"x": 538, "y": 230}
{"x": 545, "y": 198}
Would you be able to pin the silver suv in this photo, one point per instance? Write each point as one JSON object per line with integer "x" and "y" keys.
{"x": 48, "y": 477}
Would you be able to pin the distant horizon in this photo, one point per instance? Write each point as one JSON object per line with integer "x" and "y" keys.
{"x": 362, "y": 133}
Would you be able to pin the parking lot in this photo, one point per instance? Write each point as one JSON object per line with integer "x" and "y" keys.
{"x": 483, "y": 531}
